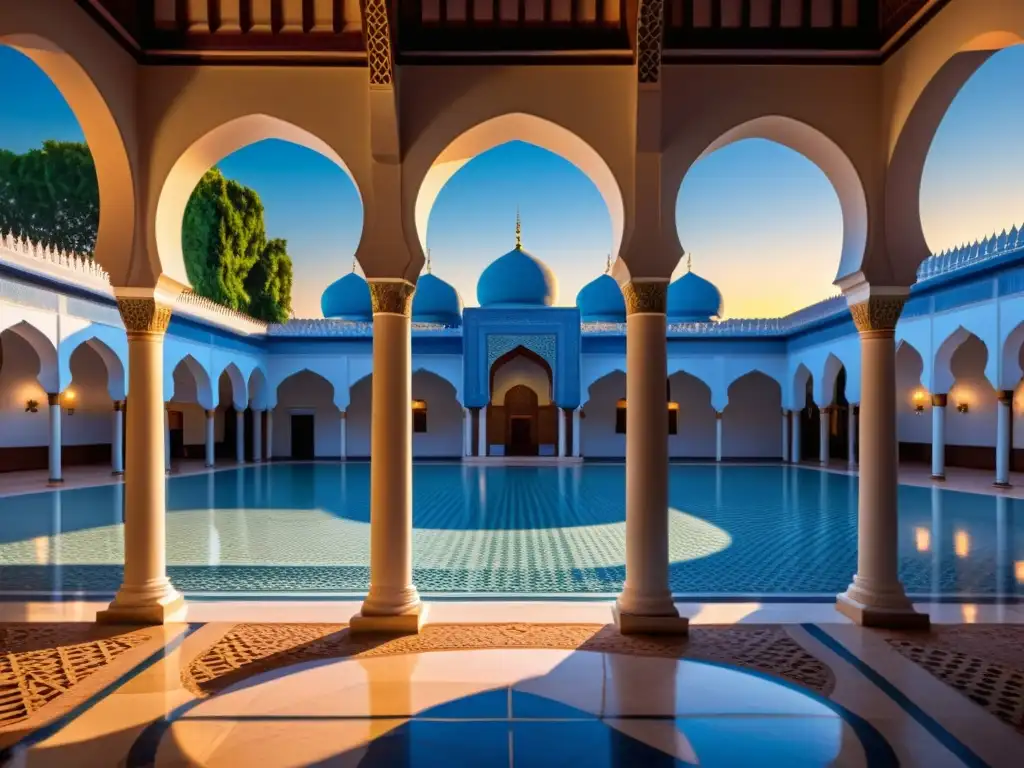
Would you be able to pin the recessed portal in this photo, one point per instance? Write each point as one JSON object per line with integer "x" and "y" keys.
{"x": 521, "y": 419}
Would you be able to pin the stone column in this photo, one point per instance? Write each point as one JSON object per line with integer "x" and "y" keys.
{"x": 797, "y": 429}
{"x": 117, "y": 440}
{"x": 270, "y": 436}
{"x": 1003, "y": 417}
{"x": 211, "y": 457}
{"x": 561, "y": 430}
{"x": 393, "y": 603}
{"x": 876, "y": 597}
{"x": 824, "y": 432}
{"x": 577, "y": 449}
{"x": 482, "y": 437}
{"x": 467, "y": 432}
{"x": 240, "y": 436}
{"x": 146, "y": 595}
{"x": 939, "y": 436}
{"x": 718, "y": 436}
{"x": 851, "y": 434}
{"x": 343, "y": 426}
{"x": 645, "y": 604}
{"x": 56, "y": 475}
{"x": 167, "y": 438}
{"x": 257, "y": 436}
{"x": 785, "y": 436}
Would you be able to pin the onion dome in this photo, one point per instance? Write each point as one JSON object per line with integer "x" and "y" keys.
{"x": 601, "y": 300}
{"x": 435, "y": 301}
{"x": 692, "y": 299}
{"x": 517, "y": 279}
{"x": 347, "y": 299}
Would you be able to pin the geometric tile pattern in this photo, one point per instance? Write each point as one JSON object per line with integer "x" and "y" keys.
{"x": 250, "y": 649}
{"x": 984, "y": 663}
{"x": 37, "y": 664}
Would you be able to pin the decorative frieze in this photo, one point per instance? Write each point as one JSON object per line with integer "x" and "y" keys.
{"x": 392, "y": 297}
{"x": 648, "y": 297}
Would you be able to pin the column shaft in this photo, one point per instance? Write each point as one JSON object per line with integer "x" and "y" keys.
{"x": 577, "y": 448}
{"x": 211, "y": 458}
{"x": 645, "y": 604}
{"x": 146, "y": 595}
{"x": 393, "y": 602}
{"x": 876, "y": 596}
{"x": 257, "y": 436}
{"x": 270, "y": 434}
{"x": 167, "y": 438}
{"x": 117, "y": 439}
{"x": 851, "y": 434}
{"x": 343, "y": 427}
{"x": 718, "y": 436}
{"x": 467, "y": 432}
{"x": 240, "y": 435}
{"x": 1003, "y": 448}
{"x": 561, "y": 430}
{"x": 482, "y": 438}
{"x": 56, "y": 473}
{"x": 785, "y": 436}
{"x": 824, "y": 432}
{"x": 797, "y": 444}
{"x": 939, "y": 437}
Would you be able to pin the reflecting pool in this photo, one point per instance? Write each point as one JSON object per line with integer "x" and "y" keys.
{"x": 304, "y": 528}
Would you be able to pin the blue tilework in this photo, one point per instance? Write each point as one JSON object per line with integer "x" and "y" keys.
{"x": 290, "y": 528}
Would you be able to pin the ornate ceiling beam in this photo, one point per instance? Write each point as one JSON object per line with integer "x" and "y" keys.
{"x": 650, "y": 24}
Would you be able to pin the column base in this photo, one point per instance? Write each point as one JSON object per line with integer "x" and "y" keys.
{"x": 118, "y": 473}
{"x": 209, "y": 466}
{"x": 881, "y": 618}
{"x": 1001, "y": 485}
{"x": 55, "y": 481}
{"x": 409, "y": 623}
{"x": 637, "y": 624}
{"x": 939, "y": 478}
{"x": 171, "y": 609}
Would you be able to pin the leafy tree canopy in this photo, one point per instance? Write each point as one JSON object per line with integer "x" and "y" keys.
{"x": 50, "y": 196}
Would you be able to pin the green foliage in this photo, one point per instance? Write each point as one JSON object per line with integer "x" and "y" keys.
{"x": 269, "y": 283}
{"x": 50, "y": 196}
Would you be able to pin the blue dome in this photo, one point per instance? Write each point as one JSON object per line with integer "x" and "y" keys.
{"x": 601, "y": 301}
{"x": 435, "y": 301}
{"x": 347, "y": 299}
{"x": 517, "y": 279}
{"x": 692, "y": 299}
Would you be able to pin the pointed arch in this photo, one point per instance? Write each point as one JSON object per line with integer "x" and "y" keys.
{"x": 1011, "y": 371}
{"x": 825, "y": 391}
{"x": 942, "y": 371}
{"x": 49, "y": 369}
{"x": 798, "y": 395}
{"x": 188, "y": 365}
{"x": 112, "y": 347}
{"x": 259, "y": 393}
{"x": 237, "y": 383}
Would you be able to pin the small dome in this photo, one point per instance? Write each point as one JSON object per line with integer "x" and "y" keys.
{"x": 435, "y": 301}
{"x": 347, "y": 299}
{"x": 517, "y": 279}
{"x": 692, "y": 299}
{"x": 601, "y": 301}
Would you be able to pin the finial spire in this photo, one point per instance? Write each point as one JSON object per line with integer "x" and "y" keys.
{"x": 428, "y": 261}
{"x": 519, "y": 231}
{"x": 689, "y": 262}
{"x": 353, "y": 264}
{"x": 608, "y": 265}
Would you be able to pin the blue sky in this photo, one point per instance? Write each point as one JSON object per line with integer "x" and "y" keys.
{"x": 753, "y": 214}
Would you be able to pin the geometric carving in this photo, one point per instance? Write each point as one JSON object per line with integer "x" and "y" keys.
{"x": 647, "y": 297}
{"x": 879, "y": 314}
{"x": 378, "y": 43}
{"x": 650, "y": 23}
{"x": 144, "y": 315}
{"x": 391, "y": 297}
{"x": 545, "y": 345}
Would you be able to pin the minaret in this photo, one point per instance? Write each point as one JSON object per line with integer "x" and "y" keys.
{"x": 519, "y": 231}
{"x": 428, "y": 261}
{"x": 608, "y": 265}
{"x": 689, "y": 262}
{"x": 353, "y": 265}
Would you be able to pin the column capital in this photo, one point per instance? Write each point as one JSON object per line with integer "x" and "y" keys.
{"x": 646, "y": 297}
{"x": 210, "y": 413}
{"x": 939, "y": 401}
{"x": 119, "y": 405}
{"x": 53, "y": 398}
{"x": 144, "y": 316}
{"x": 825, "y": 409}
{"x": 391, "y": 296}
{"x": 718, "y": 415}
{"x": 878, "y": 315}
{"x": 855, "y": 410}
{"x": 1005, "y": 396}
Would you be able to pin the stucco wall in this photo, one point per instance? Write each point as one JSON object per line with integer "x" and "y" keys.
{"x": 306, "y": 392}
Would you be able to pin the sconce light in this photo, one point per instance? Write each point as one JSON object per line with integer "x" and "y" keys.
{"x": 69, "y": 401}
{"x": 961, "y": 543}
{"x": 31, "y": 406}
{"x": 922, "y": 539}
{"x": 919, "y": 398}
{"x": 1018, "y": 571}
{"x": 963, "y": 407}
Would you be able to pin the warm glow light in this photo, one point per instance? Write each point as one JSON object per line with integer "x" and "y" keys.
{"x": 970, "y": 613}
{"x": 923, "y": 539}
{"x": 919, "y": 397}
{"x": 961, "y": 543}
{"x": 673, "y": 406}
{"x": 621, "y": 403}
{"x": 69, "y": 396}
{"x": 419, "y": 405}
{"x": 1018, "y": 570}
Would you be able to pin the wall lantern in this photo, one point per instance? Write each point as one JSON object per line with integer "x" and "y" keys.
{"x": 31, "y": 406}
{"x": 69, "y": 398}
{"x": 963, "y": 407}
{"x": 919, "y": 398}
{"x": 922, "y": 539}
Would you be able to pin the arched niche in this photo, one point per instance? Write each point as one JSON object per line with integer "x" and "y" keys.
{"x": 521, "y": 366}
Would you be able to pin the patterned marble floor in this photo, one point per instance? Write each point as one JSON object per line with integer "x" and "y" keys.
{"x": 516, "y": 694}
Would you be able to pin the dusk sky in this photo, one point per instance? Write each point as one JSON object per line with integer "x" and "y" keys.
{"x": 761, "y": 221}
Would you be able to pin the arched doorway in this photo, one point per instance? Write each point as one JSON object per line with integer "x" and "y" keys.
{"x": 522, "y": 420}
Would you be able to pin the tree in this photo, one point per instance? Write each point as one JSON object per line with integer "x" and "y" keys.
{"x": 269, "y": 283}
{"x": 50, "y": 196}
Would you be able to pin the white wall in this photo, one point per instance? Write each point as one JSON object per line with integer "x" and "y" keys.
{"x": 360, "y": 398}
{"x": 696, "y": 432}
{"x": 305, "y": 392}
{"x": 752, "y": 422}
{"x": 444, "y": 417}
{"x": 978, "y": 426}
{"x": 597, "y": 427}
{"x": 911, "y": 426}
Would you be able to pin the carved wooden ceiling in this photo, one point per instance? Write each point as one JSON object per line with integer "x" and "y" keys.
{"x": 332, "y": 31}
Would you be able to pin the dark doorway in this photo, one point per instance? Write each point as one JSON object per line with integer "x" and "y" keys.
{"x": 810, "y": 431}
{"x": 520, "y": 442}
{"x": 176, "y": 426}
{"x": 302, "y": 436}
{"x": 522, "y": 412}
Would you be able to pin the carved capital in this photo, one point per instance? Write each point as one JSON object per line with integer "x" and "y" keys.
{"x": 1005, "y": 396}
{"x": 119, "y": 405}
{"x": 53, "y": 398}
{"x": 144, "y": 316}
{"x": 391, "y": 297}
{"x": 648, "y": 298}
{"x": 878, "y": 315}
{"x": 939, "y": 401}
{"x": 210, "y": 414}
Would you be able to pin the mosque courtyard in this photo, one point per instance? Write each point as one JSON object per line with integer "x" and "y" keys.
{"x": 285, "y": 481}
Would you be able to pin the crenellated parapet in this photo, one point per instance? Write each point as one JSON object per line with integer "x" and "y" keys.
{"x": 973, "y": 253}
{"x": 59, "y": 264}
